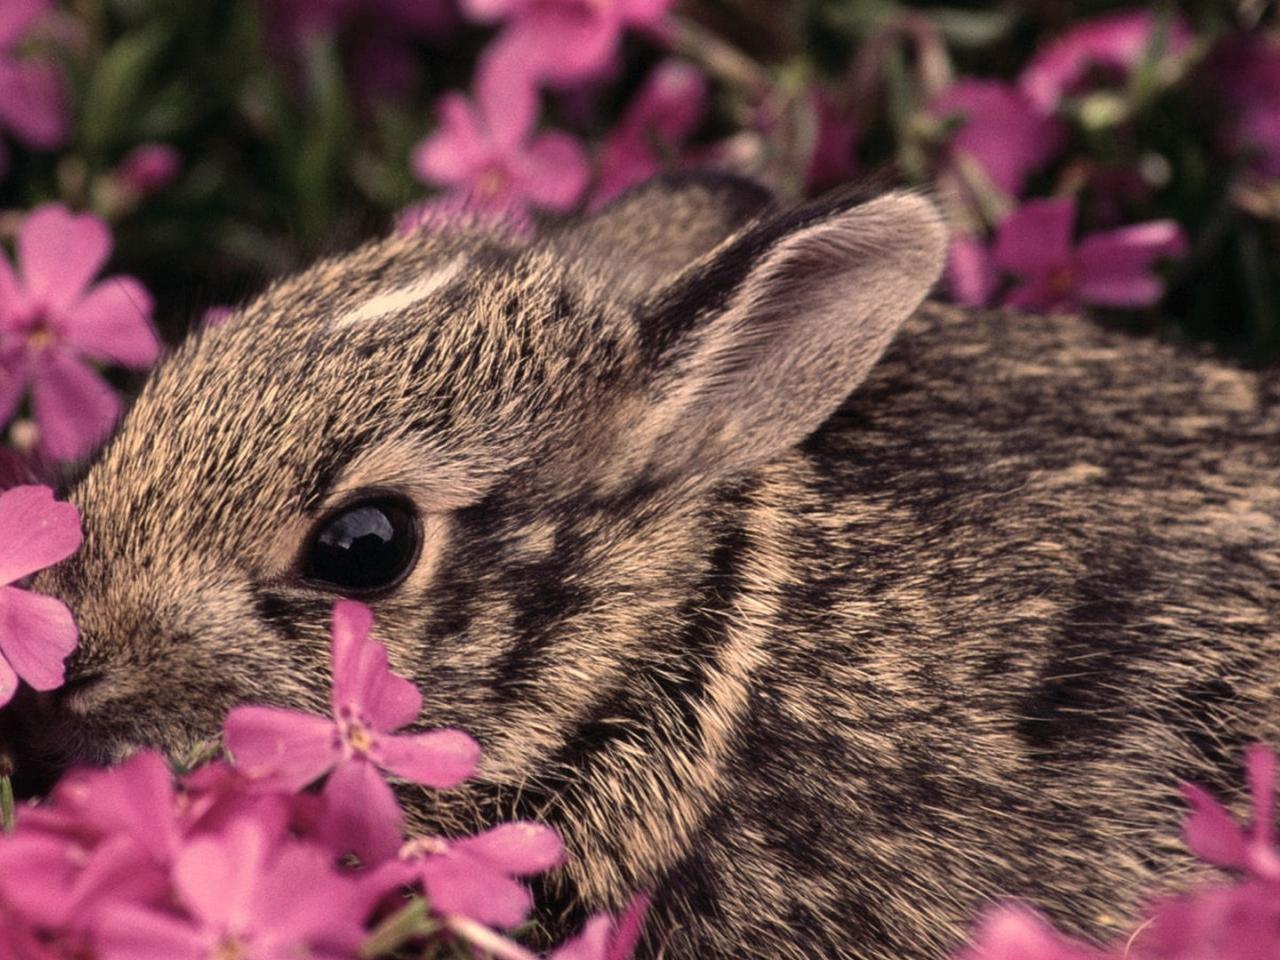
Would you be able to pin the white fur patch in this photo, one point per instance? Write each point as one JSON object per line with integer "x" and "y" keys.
{"x": 393, "y": 301}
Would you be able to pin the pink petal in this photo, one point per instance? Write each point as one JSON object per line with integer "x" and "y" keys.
{"x": 284, "y": 748}
{"x": 128, "y": 932}
{"x": 1000, "y": 130}
{"x": 1130, "y": 250}
{"x": 1038, "y": 295}
{"x": 439, "y": 759}
{"x": 1036, "y": 238}
{"x": 37, "y": 872}
{"x": 362, "y": 813}
{"x": 17, "y": 17}
{"x": 1260, "y": 771}
{"x": 36, "y": 634}
{"x": 1016, "y": 933}
{"x": 13, "y": 300}
{"x": 36, "y": 531}
{"x": 112, "y": 323}
{"x": 506, "y": 96}
{"x": 459, "y": 147}
{"x": 456, "y": 884}
{"x": 74, "y": 408}
{"x": 1120, "y": 292}
{"x": 560, "y": 45}
{"x": 120, "y": 870}
{"x": 303, "y": 901}
{"x": 217, "y": 876}
{"x": 1211, "y": 833}
{"x": 363, "y": 684}
{"x": 8, "y": 681}
{"x": 59, "y": 253}
{"x": 630, "y": 927}
{"x": 138, "y": 798}
{"x": 32, "y": 103}
{"x": 553, "y": 172}
{"x": 521, "y": 848}
{"x": 971, "y": 274}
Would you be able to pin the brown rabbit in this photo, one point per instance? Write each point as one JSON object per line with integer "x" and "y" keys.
{"x": 826, "y": 645}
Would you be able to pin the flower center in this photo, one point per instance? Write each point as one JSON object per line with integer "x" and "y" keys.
{"x": 491, "y": 183}
{"x": 358, "y": 737}
{"x": 424, "y": 847}
{"x": 1062, "y": 281}
{"x": 230, "y": 948}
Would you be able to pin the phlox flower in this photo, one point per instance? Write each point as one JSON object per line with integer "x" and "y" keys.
{"x": 834, "y": 158}
{"x": 1244, "y": 74}
{"x": 1115, "y": 44}
{"x": 32, "y": 104}
{"x": 286, "y": 749}
{"x": 666, "y": 110}
{"x": 999, "y": 130}
{"x": 971, "y": 275}
{"x": 36, "y": 632}
{"x": 52, "y": 321}
{"x": 148, "y": 168}
{"x": 246, "y": 895}
{"x": 472, "y": 876}
{"x": 485, "y": 148}
{"x": 1108, "y": 269}
{"x": 565, "y": 40}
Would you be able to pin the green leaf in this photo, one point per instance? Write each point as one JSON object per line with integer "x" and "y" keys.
{"x": 410, "y": 922}
{"x": 6, "y": 805}
{"x": 972, "y": 29}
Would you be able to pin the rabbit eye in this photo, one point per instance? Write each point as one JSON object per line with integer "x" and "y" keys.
{"x": 366, "y": 546}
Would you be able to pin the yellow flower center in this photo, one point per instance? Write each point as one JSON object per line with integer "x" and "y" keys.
{"x": 359, "y": 737}
{"x": 231, "y": 948}
{"x": 492, "y": 182}
{"x": 40, "y": 338}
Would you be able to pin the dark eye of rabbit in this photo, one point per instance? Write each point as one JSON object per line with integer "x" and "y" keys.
{"x": 369, "y": 545}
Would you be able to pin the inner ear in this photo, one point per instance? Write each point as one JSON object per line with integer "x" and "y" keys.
{"x": 753, "y": 348}
{"x": 649, "y": 234}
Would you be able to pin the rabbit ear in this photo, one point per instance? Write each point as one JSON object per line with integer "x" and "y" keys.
{"x": 645, "y": 237}
{"x": 754, "y": 347}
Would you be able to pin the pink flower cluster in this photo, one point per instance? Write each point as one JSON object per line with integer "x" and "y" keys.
{"x": 238, "y": 859}
{"x": 55, "y": 322}
{"x": 1006, "y": 133}
{"x": 1232, "y": 920}
{"x": 486, "y": 153}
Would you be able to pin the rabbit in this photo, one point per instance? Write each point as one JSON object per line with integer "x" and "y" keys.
{"x": 826, "y": 613}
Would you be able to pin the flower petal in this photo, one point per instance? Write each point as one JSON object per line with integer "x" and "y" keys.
{"x": 520, "y": 848}
{"x": 74, "y": 408}
{"x": 13, "y": 380}
{"x": 363, "y": 684}
{"x": 1211, "y": 833}
{"x": 553, "y": 172}
{"x": 36, "y": 634}
{"x": 457, "y": 884}
{"x": 36, "y": 531}
{"x": 112, "y": 323}
{"x": 59, "y": 253}
{"x": 971, "y": 276}
{"x": 362, "y": 814}
{"x": 284, "y": 748}
{"x": 1036, "y": 238}
{"x": 217, "y": 876}
{"x": 439, "y": 759}
{"x": 506, "y": 96}
{"x": 458, "y": 148}
{"x": 129, "y": 932}
{"x": 1260, "y": 771}
{"x": 32, "y": 103}
{"x": 8, "y": 681}
{"x": 17, "y": 17}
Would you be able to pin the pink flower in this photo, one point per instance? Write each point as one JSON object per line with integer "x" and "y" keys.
{"x": 483, "y": 147}
{"x": 472, "y": 877}
{"x": 1108, "y": 269}
{"x": 31, "y": 93}
{"x": 999, "y": 130}
{"x": 602, "y": 939}
{"x": 246, "y": 896}
{"x": 667, "y": 109}
{"x": 148, "y": 168}
{"x": 36, "y": 632}
{"x": 51, "y": 320}
{"x": 286, "y": 749}
{"x": 565, "y": 40}
{"x": 1017, "y": 933}
{"x": 1115, "y": 44}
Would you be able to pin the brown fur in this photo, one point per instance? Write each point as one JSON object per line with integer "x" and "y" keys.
{"x": 825, "y": 682}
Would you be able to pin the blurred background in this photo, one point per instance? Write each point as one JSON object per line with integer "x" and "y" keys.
{"x": 1120, "y": 157}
